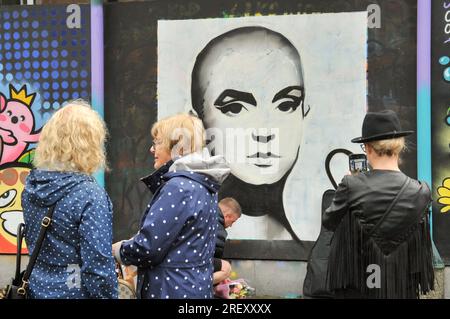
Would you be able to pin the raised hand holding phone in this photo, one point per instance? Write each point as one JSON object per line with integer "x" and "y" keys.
{"x": 357, "y": 163}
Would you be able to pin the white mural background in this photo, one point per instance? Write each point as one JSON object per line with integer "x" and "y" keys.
{"x": 332, "y": 47}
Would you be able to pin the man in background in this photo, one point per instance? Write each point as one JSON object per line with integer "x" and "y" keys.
{"x": 229, "y": 212}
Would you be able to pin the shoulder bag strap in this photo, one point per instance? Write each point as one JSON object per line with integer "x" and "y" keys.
{"x": 20, "y": 232}
{"x": 46, "y": 221}
{"x": 405, "y": 184}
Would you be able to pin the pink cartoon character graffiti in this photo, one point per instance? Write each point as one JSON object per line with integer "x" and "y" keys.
{"x": 16, "y": 124}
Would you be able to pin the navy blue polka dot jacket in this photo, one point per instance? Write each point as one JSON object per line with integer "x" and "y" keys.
{"x": 176, "y": 240}
{"x": 76, "y": 257}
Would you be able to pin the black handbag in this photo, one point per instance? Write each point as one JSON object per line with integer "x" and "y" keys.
{"x": 17, "y": 289}
{"x": 315, "y": 283}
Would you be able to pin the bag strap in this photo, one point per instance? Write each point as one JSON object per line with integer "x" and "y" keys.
{"x": 46, "y": 221}
{"x": 405, "y": 184}
{"x": 20, "y": 233}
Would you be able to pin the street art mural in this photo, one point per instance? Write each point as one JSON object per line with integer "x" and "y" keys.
{"x": 16, "y": 124}
{"x": 135, "y": 97}
{"x": 44, "y": 61}
{"x": 267, "y": 77}
{"x": 17, "y": 133}
{"x": 440, "y": 126}
{"x": 444, "y": 195}
{"x": 12, "y": 183}
{"x": 223, "y": 100}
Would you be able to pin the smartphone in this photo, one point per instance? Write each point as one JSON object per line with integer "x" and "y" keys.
{"x": 357, "y": 163}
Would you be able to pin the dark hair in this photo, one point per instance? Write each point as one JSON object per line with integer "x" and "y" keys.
{"x": 197, "y": 98}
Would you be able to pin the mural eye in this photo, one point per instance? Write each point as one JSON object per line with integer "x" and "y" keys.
{"x": 288, "y": 106}
{"x": 7, "y": 197}
{"x": 232, "y": 109}
{"x": 9, "y": 113}
{"x": 22, "y": 118}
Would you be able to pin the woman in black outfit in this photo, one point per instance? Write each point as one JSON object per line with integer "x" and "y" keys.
{"x": 382, "y": 246}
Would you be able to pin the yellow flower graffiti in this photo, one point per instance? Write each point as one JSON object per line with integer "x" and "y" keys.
{"x": 444, "y": 193}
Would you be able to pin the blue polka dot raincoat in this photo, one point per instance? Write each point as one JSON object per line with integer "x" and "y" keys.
{"x": 76, "y": 259}
{"x": 176, "y": 241}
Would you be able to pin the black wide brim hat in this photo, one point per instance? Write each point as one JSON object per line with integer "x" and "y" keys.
{"x": 382, "y": 125}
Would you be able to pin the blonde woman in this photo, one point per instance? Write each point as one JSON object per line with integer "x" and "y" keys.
{"x": 175, "y": 244}
{"x": 75, "y": 260}
{"x": 381, "y": 247}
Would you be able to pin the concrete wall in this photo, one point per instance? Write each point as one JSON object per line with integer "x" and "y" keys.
{"x": 278, "y": 279}
{"x": 447, "y": 283}
{"x": 281, "y": 279}
{"x": 271, "y": 279}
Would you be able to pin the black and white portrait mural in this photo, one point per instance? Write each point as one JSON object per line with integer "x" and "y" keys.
{"x": 276, "y": 94}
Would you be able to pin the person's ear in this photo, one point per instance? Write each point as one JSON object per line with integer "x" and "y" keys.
{"x": 369, "y": 149}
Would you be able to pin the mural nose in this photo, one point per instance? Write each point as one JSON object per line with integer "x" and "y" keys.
{"x": 14, "y": 119}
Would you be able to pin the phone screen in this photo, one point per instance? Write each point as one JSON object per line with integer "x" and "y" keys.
{"x": 357, "y": 163}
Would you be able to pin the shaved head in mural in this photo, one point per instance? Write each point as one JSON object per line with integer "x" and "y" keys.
{"x": 251, "y": 78}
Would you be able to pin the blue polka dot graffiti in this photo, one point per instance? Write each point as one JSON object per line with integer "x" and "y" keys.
{"x": 40, "y": 49}
{"x": 44, "y": 62}
{"x": 445, "y": 60}
{"x": 447, "y": 119}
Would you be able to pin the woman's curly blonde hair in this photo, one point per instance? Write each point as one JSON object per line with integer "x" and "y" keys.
{"x": 73, "y": 140}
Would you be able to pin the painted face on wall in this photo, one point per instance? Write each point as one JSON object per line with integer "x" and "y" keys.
{"x": 252, "y": 88}
{"x": 16, "y": 124}
{"x": 12, "y": 184}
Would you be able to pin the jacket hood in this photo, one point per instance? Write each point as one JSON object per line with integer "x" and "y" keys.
{"x": 210, "y": 171}
{"x": 47, "y": 187}
{"x": 214, "y": 167}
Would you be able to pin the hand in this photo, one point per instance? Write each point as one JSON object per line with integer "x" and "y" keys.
{"x": 129, "y": 273}
{"x": 116, "y": 248}
{"x": 3, "y": 293}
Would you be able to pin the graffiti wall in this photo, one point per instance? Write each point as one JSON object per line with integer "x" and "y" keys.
{"x": 140, "y": 88}
{"x": 270, "y": 92}
{"x": 440, "y": 101}
{"x": 44, "y": 61}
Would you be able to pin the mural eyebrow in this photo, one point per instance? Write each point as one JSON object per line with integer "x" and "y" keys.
{"x": 235, "y": 96}
{"x": 285, "y": 93}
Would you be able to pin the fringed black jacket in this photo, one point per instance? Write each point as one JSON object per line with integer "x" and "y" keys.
{"x": 398, "y": 251}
